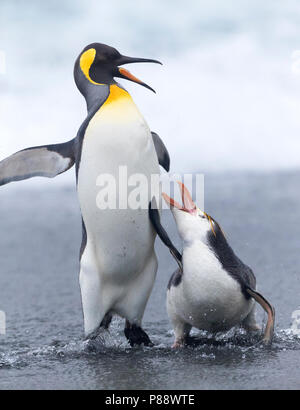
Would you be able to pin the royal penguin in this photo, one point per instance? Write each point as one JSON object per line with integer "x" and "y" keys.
{"x": 212, "y": 289}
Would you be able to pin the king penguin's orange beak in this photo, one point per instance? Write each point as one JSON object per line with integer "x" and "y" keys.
{"x": 127, "y": 74}
{"x": 123, "y": 73}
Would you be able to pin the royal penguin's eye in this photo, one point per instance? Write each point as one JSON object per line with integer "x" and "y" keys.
{"x": 202, "y": 216}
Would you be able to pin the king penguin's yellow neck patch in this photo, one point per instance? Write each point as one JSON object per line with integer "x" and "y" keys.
{"x": 116, "y": 93}
{"x": 86, "y": 61}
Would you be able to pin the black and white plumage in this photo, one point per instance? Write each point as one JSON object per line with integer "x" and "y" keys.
{"x": 117, "y": 259}
{"x": 214, "y": 290}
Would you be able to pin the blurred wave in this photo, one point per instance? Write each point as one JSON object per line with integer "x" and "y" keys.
{"x": 228, "y": 95}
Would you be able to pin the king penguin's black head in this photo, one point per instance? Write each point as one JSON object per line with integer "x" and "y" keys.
{"x": 99, "y": 64}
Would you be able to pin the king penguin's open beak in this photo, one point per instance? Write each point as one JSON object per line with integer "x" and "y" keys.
{"x": 123, "y": 73}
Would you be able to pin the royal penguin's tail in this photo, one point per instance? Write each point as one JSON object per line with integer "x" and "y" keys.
{"x": 269, "y": 330}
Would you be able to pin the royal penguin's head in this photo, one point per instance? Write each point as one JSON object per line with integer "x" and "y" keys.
{"x": 192, "y": 223}
{"x": 98, "y": 64}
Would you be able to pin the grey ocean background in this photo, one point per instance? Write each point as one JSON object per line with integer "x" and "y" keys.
{"x": 227, "y": 105}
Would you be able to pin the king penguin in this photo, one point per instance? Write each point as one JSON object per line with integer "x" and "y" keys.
{"x": 117, "y": 260}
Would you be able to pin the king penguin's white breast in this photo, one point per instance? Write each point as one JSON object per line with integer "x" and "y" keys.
{"x": 117, "y": 136}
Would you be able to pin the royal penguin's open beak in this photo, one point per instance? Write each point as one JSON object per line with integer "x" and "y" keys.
{"x": 123, "y": 73}
{"x": 188, "y": 204}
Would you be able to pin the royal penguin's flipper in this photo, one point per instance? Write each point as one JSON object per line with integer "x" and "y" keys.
{"x": 269, "y": 330}
{"x": 155, "y": 220}
{"x": 45, "y": 161}
{"x": 161, "y": 151}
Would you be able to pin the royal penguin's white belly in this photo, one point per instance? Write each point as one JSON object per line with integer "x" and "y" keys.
{"x": 117, "y": 136}
{"x": 207, "y": 298}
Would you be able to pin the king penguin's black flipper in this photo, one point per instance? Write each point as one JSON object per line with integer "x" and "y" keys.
{"x": 269, "y": 330}
{"x": 155, "y": 220}
{"x": 45, "y": 161}
{"x": 161, "y": 151}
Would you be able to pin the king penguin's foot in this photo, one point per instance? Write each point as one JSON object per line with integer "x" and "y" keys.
{"x": 136, "y": 335}
{"x": 100, "y": 331}
{"x": 106, "y": 321}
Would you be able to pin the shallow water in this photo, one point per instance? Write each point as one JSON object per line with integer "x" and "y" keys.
{"x": 39, "y": 291}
